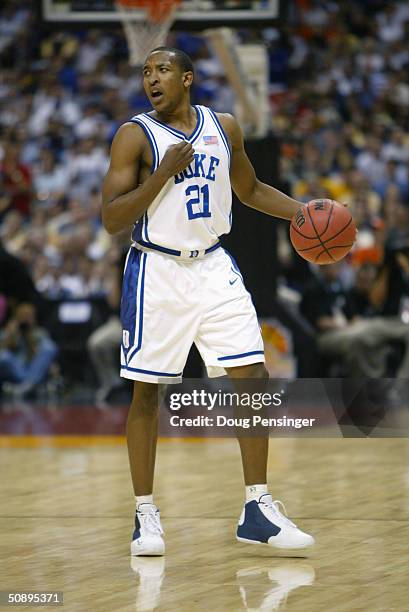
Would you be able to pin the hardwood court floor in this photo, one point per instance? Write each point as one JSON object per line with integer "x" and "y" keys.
{"x": 66, "y": 518}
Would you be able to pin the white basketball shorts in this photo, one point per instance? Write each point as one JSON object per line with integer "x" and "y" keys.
{"x": 169, "y": 304}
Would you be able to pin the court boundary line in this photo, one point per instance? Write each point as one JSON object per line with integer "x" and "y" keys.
{"x": 65, "y": 441}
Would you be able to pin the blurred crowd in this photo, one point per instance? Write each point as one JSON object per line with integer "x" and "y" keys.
{"x": 339, "y": 93}
{"x": 340, "y": 96}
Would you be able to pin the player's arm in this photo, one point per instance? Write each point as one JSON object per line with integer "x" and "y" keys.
{"x": 245, "y": 183}
{"x": 123, "y": 200}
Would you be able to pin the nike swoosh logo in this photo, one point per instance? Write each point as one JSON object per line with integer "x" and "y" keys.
{"x": 232, "y": 282}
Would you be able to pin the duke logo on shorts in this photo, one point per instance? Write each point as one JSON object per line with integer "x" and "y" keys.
{"x": 180, "y": 287}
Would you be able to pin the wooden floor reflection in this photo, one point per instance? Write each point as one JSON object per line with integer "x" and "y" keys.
{"x": 66, "y": 519}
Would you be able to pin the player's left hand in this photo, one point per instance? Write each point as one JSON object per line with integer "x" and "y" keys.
{"x": 177, "y": 158}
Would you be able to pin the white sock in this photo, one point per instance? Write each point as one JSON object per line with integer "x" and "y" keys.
{"x": 255, "y": 491}
{"x": 143, "y": 499}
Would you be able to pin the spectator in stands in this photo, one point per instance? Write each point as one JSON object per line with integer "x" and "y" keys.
{"x": 104, "y": 342}
{"x": 26, "y": 352}
{"x": 50, "y": 179}
{"x": 86, "y": 166}
{"x": 15, "y": 179}
{"x": 15, "y": 280}
{"x": 370, "y": 163}
{"x": 322, "y": 304}
{"x": 339, "y": 103}
{"x": 12, "y": 232}
{"x": 389, "y": 298}
{"x": 379, "y": 313}
{"x": 358, "y": 302}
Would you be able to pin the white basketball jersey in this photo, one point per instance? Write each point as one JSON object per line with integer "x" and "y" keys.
{"x": 194, "y": 207}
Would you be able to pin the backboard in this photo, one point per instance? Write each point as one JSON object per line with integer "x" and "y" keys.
{"x": 192, "y": 14}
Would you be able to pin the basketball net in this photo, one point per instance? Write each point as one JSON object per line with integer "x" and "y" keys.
{"x": 145, "y": 32}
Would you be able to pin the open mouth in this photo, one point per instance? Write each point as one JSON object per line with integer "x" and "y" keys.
{"x": 156, "y": 95}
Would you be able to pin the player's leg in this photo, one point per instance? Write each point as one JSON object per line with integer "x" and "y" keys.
{"x": 261, "y": 520}
{"x": 229, "y": 340}
{"x": 159, "y": 320}
{"x": 254, "y": 451}
{"x": 141, "y": 435}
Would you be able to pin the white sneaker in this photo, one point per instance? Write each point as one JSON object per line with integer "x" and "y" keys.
{"x": 147, "y": 537}
{"x": 261, "y": 522}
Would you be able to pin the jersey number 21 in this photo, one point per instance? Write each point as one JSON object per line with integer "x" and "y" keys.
{"x": 198, "y": 205}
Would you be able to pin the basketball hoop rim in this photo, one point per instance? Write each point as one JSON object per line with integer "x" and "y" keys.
{"x": 157, "y": 11}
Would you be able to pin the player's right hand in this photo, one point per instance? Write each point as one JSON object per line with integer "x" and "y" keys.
{"x": 177, "y": 158}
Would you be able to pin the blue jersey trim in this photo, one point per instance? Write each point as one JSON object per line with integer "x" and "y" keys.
{"x": 240, "y": 355}
{"x": 213, "y": 248}
{"x": 142, "y": 224}
{"x": 145, "y": 226}
{"x": 235, "y": 267}
{"x": 166, "y": 127}
{"x": 236, "y": 273}
{"x": 137, "y": 230}
{"x": 151, "y": 372}
{"x": 151, "y": 139}
{"x": 178, "y": 133}
{"x": 196, "y": 132}
{"x": 137, "y": 348}
{"x": 130, "y": 284}
{"x": 140, "y": 229}
{"x": 221, "y": 132}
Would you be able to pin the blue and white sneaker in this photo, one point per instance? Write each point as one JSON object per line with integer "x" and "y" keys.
{"x": 261, "y": 522}
{"x": 147, "y": 537}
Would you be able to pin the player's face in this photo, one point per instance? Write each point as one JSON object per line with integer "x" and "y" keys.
{"x": 164, "y": 81}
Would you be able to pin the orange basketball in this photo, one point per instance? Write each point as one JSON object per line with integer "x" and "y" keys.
{"x": 322, "y": 231}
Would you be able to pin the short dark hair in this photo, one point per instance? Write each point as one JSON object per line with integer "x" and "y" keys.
{"x": 183, "y": 60}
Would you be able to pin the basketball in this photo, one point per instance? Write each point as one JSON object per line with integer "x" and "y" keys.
{"x": 322, "y": 231}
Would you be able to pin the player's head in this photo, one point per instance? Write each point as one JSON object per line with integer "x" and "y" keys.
{"x": 167, "y": 77}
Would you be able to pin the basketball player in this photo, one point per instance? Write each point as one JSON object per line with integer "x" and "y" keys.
{"x": 171, "y": 175}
